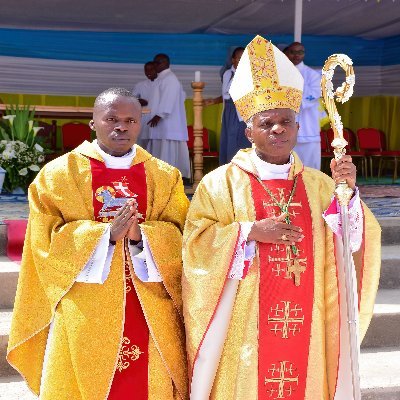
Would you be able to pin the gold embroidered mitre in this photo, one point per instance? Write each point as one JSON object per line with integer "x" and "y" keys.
{"x": 265, "y": 79}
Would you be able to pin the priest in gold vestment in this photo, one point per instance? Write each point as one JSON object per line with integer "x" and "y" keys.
{"x": 263, "y": 285}
{"x": 98, "y": 310}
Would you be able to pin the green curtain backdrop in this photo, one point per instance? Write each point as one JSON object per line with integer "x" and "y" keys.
{"x": 381, "y": 112}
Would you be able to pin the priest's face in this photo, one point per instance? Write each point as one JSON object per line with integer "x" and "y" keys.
{"x": 274, "y": 134}
{"x": 117, "y": 124}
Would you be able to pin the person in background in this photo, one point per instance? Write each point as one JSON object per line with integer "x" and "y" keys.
{"x": 168, "y": 127}
{"x": 308, "y": 145}
{"x": 232, "y": 128}
{"x": 147, "y": 93}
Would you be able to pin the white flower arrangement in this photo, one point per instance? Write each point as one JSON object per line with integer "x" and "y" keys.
{"x": 20, "y": 156}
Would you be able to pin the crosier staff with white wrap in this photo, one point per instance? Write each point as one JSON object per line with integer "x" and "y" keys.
{"x": 343, "y": 194}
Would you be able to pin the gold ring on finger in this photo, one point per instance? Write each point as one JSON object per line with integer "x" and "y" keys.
{"x": 284, "y": 237}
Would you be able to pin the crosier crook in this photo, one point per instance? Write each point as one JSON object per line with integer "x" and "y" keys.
{"x": 343, "y": 195}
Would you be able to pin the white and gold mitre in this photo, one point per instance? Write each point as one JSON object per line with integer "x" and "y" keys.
{"x": 265, "y": 79}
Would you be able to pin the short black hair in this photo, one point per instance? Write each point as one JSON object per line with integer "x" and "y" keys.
{"x": 149, "y": 63}
{"x": 109, "y": 94}
{"x": 163, "y": 57}
{"x": 236, "y": 51}
{"x": 295, "y": 44}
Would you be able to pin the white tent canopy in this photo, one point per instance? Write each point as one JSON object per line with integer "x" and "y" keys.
{"x": 363, "y": 18}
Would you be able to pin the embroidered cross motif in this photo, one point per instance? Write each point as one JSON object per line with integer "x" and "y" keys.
{"x": 285, "y": 319}
{"x": 293, "y": 266}
{"x": 296, "y": 268}
{"x": 287, "y": 260}
{"x": 281, "y": 380}
{"x": 126, "y": 354}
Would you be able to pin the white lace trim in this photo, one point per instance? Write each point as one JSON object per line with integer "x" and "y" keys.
{"x": 244, "y": 252}
{"x": 356, "y": 222}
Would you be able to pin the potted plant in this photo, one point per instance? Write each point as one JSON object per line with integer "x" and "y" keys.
{"x": 20, "y": 154}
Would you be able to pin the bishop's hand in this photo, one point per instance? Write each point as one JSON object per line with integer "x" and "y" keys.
{"x": 344, "y": 170}
{"x": 273, "y": 230}
{"x": 123, "y": 221}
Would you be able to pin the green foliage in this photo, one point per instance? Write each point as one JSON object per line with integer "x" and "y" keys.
{"x": 20, "y": 154}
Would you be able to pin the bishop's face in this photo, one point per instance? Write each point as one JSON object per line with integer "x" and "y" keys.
{"x": 274, "y": 134}
{"x": 117, "y": 125}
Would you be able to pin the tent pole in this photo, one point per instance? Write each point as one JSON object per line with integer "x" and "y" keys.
{"x": 298, "y": 16}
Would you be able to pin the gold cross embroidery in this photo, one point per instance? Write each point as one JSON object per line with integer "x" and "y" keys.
{"x": 296, "y": 268}
{"x": 281, "y": 383}
{"x": 286, "y": 319}
{"x": 287, "y": 260}
{"x": 294, "y": 265}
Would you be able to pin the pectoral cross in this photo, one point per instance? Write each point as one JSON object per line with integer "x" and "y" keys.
{"x": 296, "y": 269}
{"x": 282, "y": 201}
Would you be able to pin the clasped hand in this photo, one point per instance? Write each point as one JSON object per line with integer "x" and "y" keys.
{"x": 274, "y": 230}
{"x": 126, "y": 223}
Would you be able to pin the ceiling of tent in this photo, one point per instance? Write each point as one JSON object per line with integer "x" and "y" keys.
{"x": 363, "y": 18}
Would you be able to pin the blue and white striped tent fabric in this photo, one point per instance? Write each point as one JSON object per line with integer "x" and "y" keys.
{"x": 85, "y": 63}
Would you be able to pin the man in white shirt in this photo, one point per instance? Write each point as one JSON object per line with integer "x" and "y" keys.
{"x": 168, "y": 127}
{"x": 147, "y": 93}
{"x": 308, "y": 140}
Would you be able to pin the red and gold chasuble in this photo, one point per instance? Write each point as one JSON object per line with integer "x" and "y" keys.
{"x": 111, "y": 189}
{"x": 286, "y": 295}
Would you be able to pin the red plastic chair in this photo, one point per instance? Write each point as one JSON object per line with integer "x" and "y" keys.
{"x": 352, "y": 148}
{"x": 74, "y": 134}
{"x": 373, "y": 142}
{"x": 206, "y": 143}
{"x": 207, "y": 153}
{"x": 326, "y": 152}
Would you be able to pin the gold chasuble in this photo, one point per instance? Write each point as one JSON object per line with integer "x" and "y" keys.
{"x": 88, "y": 346}
{"x": 283, "y": 338}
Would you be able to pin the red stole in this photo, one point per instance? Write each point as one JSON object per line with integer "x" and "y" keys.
{"x": 111, "y": 189}
{"x": 285, "y": 310}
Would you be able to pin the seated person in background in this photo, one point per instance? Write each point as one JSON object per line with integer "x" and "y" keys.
{"x": 98, "y": 311}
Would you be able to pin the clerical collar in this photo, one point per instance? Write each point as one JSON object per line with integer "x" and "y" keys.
{"x": 123, "y": 162}
{"x": 268, "y": 171}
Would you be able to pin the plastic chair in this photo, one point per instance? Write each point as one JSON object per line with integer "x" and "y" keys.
{"x": 48, "y": 134}
{"x": 373, "y": 142}
{"x": 74, "y": 134}
{"x": 326, "y": 153}
{"x": 207, "y": 153}
{"x": 352, "y": 148}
